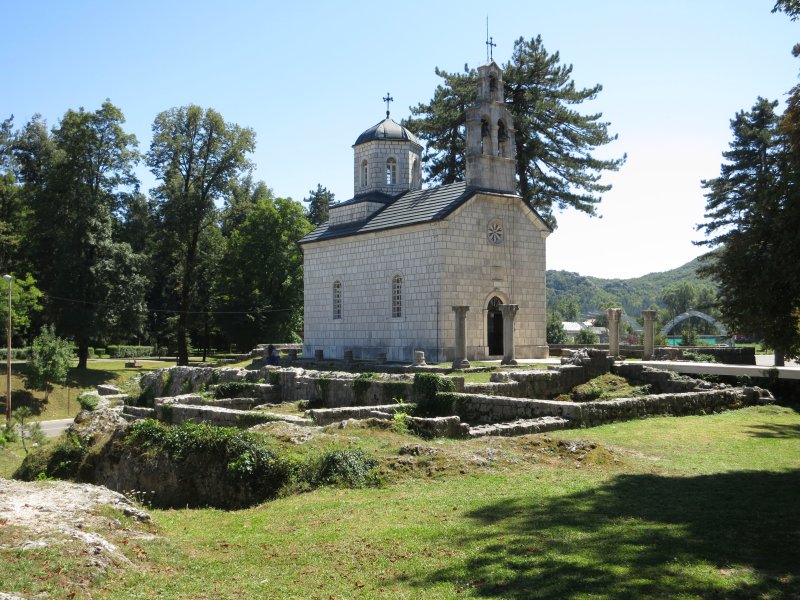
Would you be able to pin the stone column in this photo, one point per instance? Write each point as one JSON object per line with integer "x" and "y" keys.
{"x": 649, "y": 334}
{"x": 460, "y": 358}
{"x": 614, "y": 315}
{"x": 509, "y": 312}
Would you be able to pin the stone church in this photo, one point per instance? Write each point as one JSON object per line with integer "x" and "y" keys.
{"x": 399, "y": 268}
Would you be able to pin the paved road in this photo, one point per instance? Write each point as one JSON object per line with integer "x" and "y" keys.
{"x": 55, "y": 427}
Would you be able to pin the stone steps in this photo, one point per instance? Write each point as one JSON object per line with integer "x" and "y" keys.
{"x": 522, "y": 427}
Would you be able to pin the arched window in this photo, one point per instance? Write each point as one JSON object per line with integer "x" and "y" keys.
{"x": 415, "y": 175}
{"x": 397, "y": 297}
{"x": 484, "y": 135}
{"x": 337, "y": 299}
{"x": 391, "y": 171}
{"x": 502, "y": 137}
{"x": 364, "y": 173}
{"x": 492, "y": 82}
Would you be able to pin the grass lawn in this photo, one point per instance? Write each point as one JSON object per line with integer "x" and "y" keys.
{"x": 694, "y": 507}
{"x": 61, "y": 401}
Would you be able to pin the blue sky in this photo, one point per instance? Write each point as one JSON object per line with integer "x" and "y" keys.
{"x": 308, "y": 77}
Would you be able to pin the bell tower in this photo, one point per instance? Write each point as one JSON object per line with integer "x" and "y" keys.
{"x": 491, "y": 151}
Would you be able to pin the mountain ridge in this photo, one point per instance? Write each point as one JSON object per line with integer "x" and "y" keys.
{"x": 633, "y": 294}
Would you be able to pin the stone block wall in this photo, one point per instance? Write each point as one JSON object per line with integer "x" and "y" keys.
{"x": 725, "y": 355}
{"x": 477, "y": 409}
{"x": 575, "y": 370}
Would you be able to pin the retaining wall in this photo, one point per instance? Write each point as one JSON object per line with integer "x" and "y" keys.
{"x": 478, "y": 409}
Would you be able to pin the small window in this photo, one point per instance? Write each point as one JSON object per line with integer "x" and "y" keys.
{"x": 397, "y": 297}
{"x": 391, "y": 171}
{"x": 492, "y": 83}
{"x": 337, "y": 299}
{"x": 364, "y": 173}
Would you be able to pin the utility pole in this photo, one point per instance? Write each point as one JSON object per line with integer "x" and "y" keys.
{"x": 8, "y": 355}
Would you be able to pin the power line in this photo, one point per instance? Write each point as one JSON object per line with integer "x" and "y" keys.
{"x": 172, "y": 310}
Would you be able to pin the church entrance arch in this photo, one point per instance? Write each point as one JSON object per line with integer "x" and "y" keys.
{"x": 494, "y": 326}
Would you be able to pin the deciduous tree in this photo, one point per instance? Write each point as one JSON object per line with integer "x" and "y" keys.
{"x": 73, "y": 180}
{"x": 195, "y": 155}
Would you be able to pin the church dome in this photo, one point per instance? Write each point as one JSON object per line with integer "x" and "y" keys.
{"x": 386, "y": 130}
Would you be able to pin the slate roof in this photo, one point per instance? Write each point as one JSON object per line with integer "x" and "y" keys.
{"x": 412, "y": 208}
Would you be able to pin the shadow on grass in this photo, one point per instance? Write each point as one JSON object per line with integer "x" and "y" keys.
{"x": 84, "y": 378}
{"x": 27, "y": 398}
{"x": 723, "y": 535}
{"x": 784, "y": 431}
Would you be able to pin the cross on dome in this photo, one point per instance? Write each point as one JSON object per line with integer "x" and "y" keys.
{"x": 387, "y": 99}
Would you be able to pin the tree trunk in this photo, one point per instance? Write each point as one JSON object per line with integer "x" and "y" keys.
{"x": 186, "y": 287}
{"x": 205, "y": 336}
{"x": 83, "y": 353}
{"x": 779, "y": 358}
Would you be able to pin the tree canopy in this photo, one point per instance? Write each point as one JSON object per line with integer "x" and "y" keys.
{"x": 196, "y": 156}
{"x": 557, "y": 162}
{"x": 752, "y": 210}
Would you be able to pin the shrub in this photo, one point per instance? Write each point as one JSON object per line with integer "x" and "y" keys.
{"x": 118, "y": 351}
{"x": 427, "y": 389}
{"x": 88, "y": 401}
{"x": 347, "y": 468}
{"x": 60, "y": 461}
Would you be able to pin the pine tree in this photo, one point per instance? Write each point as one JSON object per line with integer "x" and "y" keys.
{"x": 556, "y": 168}
{"x": 751, "y": 210}
{"x": 319, "y": 202}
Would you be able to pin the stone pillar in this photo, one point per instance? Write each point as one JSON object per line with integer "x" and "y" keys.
{"x": 614, "y": 315}
{"x": 509, "y": 312}
{"x": 649, "y": 334}
{"x": 419, "y": 358}
{"x": 460, "y": 359}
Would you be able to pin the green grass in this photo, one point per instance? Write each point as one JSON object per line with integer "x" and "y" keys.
{"x": 694, "y": 507}
{"x": 61, "y": 402}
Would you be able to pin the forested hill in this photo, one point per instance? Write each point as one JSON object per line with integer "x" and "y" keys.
{"x": 634, "y": 295}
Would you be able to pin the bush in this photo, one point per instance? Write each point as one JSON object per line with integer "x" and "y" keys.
{"x": 16, "y": 353}
{"x": 60, "y": 461}
{"x": 88, "y": 401}
{"x": 427, "y": 389}
{"x": 346, "y": 468}
{"x": 119, "y": 351}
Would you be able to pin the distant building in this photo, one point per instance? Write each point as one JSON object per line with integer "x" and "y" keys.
{"x": 382, "y": 275}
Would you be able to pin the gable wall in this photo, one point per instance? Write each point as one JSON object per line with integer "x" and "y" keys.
{"x": 475, "y": 270}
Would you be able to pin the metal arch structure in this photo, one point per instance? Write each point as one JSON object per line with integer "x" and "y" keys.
{"x": 694, "y": 313}
{"x": 629, "y": 320}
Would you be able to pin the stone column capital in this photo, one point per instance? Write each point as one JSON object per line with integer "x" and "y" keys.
{"x": 649, "y": 315}
{"x": 509, "y": 310}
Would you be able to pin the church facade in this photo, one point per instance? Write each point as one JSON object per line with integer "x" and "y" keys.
{"x": 383, "y": 274}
